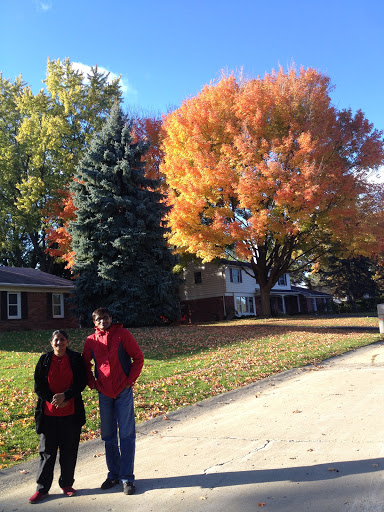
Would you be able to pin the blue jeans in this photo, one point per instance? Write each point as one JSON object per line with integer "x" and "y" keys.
{"x": 118, "y": 413}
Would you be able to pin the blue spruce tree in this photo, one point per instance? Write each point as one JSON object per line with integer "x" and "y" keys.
{"x": 122, "y": 260}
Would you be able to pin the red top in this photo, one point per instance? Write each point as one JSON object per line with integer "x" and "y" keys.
{"x": 102, "y": 349}
{"x": 60, "y": 378}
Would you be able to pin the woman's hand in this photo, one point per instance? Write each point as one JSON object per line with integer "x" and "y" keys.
{"x": 58, "y": 400}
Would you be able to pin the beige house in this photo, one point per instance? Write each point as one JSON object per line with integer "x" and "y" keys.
{"x": 212, "y": 291}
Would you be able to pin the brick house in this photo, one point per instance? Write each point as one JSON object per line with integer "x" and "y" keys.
{"x": 31, "y": 299}
{"x": 212, "y": 291}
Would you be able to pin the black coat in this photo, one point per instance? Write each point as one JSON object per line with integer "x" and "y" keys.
{"x": 45, "y": 394}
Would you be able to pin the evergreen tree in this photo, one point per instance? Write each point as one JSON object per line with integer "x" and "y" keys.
{"x": 121, "y": 257}
{"x": 350, "y": 278}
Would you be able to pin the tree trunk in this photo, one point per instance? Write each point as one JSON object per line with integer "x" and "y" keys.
{"x": 265, "y": 295}
{"x": 354, "y": 303}
{"x": 45, "y": 261}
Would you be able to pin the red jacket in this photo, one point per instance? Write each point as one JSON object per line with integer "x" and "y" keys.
{"x": 117, "y": 358}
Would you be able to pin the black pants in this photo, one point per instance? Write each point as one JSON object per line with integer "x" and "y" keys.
{"x": 63, "y": 433}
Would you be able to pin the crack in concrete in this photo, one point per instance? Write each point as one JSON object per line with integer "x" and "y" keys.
{"x": 214, "y": 468}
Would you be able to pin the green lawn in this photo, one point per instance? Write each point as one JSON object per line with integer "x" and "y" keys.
{"x": 183, "y": 365}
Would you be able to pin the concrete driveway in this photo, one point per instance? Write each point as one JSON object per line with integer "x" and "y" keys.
{"x": 304, "y": 440}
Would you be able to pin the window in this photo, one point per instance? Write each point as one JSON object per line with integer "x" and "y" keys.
{"x": 57, "y": 305}
{"x": 244, "y": 306}
{"x": 235, "y": 275}
{"x": 14, "y": 305}
{"x": 282, "y": 280}
{"x": 198, "y": 279}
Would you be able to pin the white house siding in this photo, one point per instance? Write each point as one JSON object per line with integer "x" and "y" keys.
{"x": 212, "y": 282}
{"x": 287, "y": 286}
{"x": 241, "y": 292}
{"x": 247, "y": 286}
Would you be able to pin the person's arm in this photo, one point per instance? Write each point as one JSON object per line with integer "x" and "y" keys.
{"x": 135, "y": 353}
{"x": 87, "y": 358}
{"x": 42, "y": 389}
{"x": 79, "y": 376}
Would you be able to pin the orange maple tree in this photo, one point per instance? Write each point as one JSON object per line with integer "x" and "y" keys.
{"x": 149, "y": 128}
{"x": 61, "y": 212}
{"x": 268, "y": 171}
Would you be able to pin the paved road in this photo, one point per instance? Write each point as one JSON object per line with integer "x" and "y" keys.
{"x": 305, "y": 440}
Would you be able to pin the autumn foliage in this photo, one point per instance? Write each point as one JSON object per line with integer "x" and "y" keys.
{"x": 58, "y": 237}
{"x": 148, "y": 128}
{"x": 268, "y": 170}
{"x": 42, "y": 139}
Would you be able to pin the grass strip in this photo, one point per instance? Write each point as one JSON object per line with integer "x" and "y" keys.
{"x": 183, "y": 365}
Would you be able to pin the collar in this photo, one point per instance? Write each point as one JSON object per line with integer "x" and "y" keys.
{"x": 110, "y": 329}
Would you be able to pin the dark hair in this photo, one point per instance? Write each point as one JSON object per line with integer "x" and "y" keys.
{"x": 100, "y": 312}
{"x": 59, "y": 331}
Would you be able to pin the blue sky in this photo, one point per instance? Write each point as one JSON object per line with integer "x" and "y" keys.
{"x": 168, "y": 50}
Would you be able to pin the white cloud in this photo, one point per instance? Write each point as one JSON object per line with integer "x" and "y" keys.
{"x": 377, "y": 176}
{"x": 43, "y": 5}
{"x": 129, "y": 92}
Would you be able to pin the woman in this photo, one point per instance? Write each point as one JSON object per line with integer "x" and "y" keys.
{"x": 60, "y": 377}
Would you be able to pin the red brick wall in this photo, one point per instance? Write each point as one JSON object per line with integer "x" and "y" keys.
{"x": 207, "y": 310}
{"x": 38, "y": 316}
{"x": 212, "y": 309}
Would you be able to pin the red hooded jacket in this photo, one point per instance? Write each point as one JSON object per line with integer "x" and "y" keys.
{"x": 117, "y": 360}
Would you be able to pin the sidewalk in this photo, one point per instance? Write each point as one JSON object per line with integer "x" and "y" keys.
{"x": 304, "y": 440}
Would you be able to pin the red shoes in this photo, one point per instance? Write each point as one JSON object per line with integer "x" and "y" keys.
{"x": 38, "y": 496}
{"x": 68, "y": 491}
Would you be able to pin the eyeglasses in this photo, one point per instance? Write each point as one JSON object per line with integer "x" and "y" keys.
{"x": 98, "y": 320}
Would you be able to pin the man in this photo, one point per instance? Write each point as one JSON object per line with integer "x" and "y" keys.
{"x": 118, "y": 362}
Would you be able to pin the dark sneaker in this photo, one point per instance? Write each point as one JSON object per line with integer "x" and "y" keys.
{"x": 128, "y": 488}
{"x": 37, "y": 497}
{"x": 68, "y": 491}
{"x": 109, "y": 483}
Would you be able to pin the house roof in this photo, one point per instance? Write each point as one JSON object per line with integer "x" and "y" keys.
{"x": 31, "y": 277}
{"x": 298, "y": 290}
{"x": 310, "y": 293}
{"x": 236, "y": 263}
